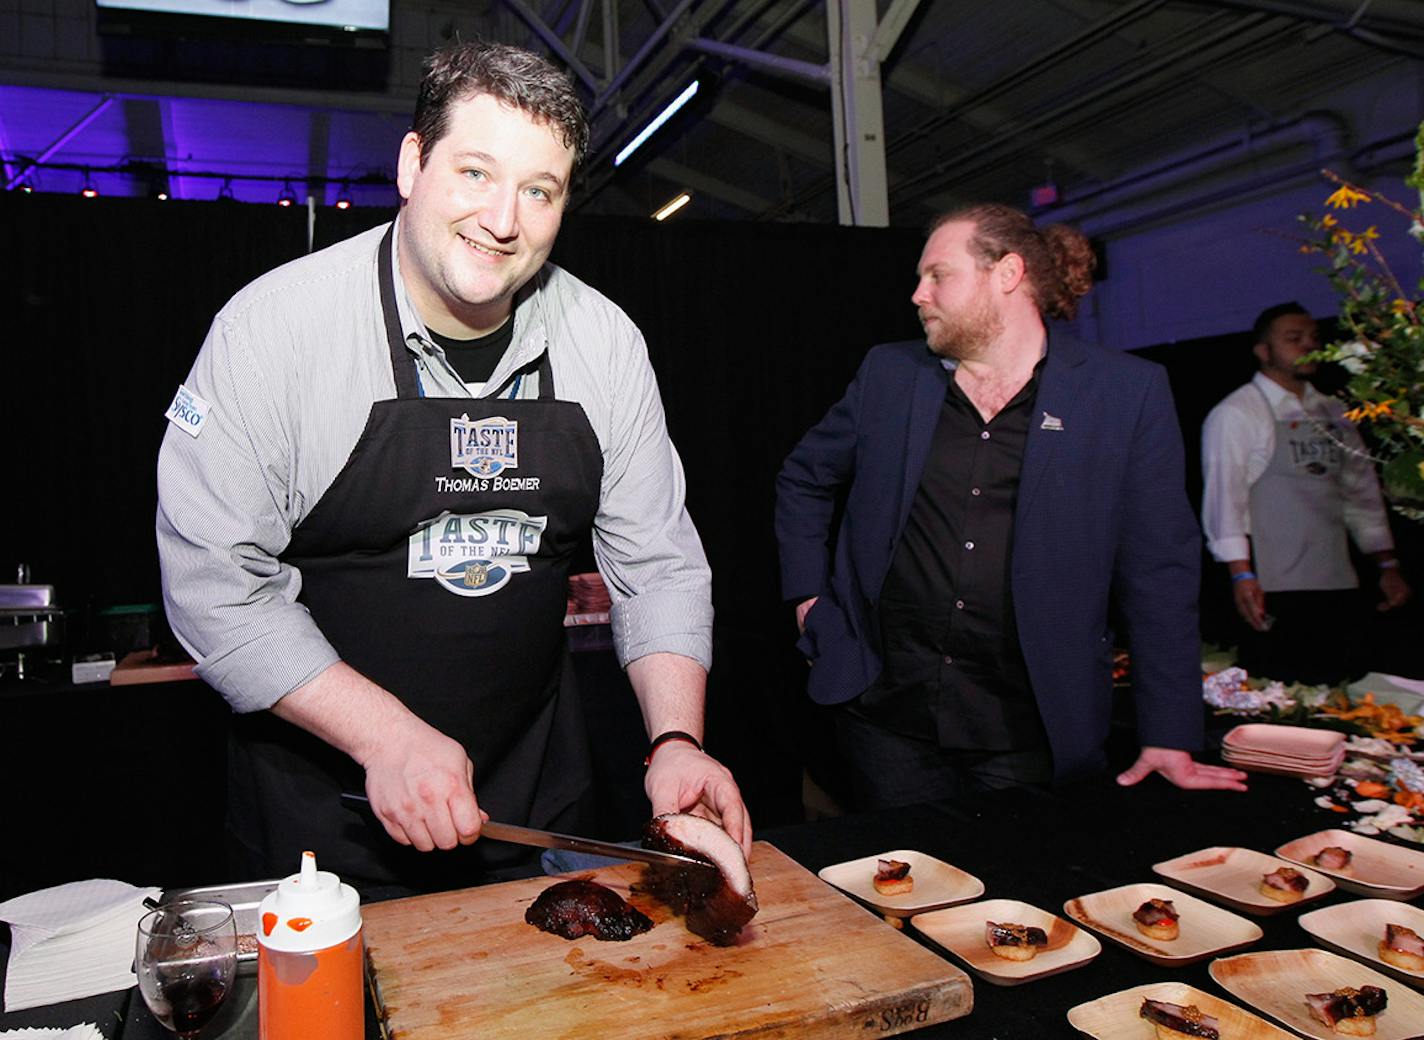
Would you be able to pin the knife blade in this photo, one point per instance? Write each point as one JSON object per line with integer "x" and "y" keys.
{"x": 551, "y": 840}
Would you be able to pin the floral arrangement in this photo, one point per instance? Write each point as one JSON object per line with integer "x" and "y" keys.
{"x": 1233, "y": 692}
{"x": 1382, "y": 785}
{"x": 1381, "y": 328}
{"x": 1381, "y": 781}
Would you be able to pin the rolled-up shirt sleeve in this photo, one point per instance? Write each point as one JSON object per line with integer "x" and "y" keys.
{"x": 1227, "y": 438}
{"x": 644, "y": 542}
{"x": 224, "y": 516}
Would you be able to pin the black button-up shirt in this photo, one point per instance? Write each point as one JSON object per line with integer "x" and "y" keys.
{"x": 954, "y": 671}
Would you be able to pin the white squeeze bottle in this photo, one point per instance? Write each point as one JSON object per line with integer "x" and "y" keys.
{"x": 309, "y": 959}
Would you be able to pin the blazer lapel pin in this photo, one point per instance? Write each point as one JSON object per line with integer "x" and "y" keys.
{"x": 1052, "y": 422}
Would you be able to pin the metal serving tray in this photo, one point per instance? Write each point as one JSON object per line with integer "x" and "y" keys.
{"x": 245, "y": 899}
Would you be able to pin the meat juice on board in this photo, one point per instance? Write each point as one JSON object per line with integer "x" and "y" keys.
{"x": 309, "y": 959}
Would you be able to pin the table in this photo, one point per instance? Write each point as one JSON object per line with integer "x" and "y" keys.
{"x": 1040, "y": 847}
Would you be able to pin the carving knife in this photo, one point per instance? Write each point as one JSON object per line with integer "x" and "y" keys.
{"x": 551, "y": 840}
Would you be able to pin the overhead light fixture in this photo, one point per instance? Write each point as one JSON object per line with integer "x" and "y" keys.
{"x": 27, "y": 188}
{"x": 662, "y": 117}
{"x": 225, "y": 192}
{"x": 343, "y": 200}
{"x": 89, "y": 191}
{"x": 673, "y": 206}
{"x": 161, "y": 195}
{"x": 287, "y": 197}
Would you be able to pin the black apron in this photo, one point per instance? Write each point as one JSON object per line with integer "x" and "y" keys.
{"x": 436, "y": 565}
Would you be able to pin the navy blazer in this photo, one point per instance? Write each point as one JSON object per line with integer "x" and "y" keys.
{"x": 1102, "y": 511}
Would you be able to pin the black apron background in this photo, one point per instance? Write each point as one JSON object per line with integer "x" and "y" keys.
{"x": 488, "y": 669}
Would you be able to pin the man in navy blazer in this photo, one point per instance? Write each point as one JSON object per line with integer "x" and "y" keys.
{"x": 1000, "y": 486}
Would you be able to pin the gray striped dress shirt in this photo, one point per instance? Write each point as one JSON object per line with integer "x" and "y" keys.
{"x": 290, "y": 369}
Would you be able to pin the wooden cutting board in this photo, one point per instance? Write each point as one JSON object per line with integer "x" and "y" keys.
{"x": 812, "y": 963}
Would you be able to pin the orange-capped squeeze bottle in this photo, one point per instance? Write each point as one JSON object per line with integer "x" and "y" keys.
{"x": 309, "y": 959}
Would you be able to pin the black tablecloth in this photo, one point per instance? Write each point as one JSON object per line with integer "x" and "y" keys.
{"x": 1045, "y": 849}
{"x": 1041, "y": 848}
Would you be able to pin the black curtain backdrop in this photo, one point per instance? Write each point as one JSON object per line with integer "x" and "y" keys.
{"x": 754, "y": 331}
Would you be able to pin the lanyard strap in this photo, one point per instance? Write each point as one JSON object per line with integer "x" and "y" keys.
{"x": 402, "y": 364}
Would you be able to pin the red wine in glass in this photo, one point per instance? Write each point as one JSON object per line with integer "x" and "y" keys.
{"x": 186, "y": 957}
{"x": 192, "y": 1004}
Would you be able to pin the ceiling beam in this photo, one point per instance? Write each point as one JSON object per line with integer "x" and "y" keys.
{"x": 63, "y": 139}
{"x": 553, "y": 42}
{"x": 635, "y": 62}
{"x": 887, "y": 33}
{"x": 771, "y": 132}
{"x": 398, "y": 104}
{"x": 7, "y": 164}
{"x": 1357, "y": 17}
{"x": 857, "y": 114}
{"x": 936, "y": 92}
{"x": 701, "y": 183}
{"x": 818, "y": 75}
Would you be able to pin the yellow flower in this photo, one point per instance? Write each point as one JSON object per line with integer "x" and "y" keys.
{"x": 1328, "y": 221}
{"x": 1369, "y": 234}
{"x": 1346, "y": 196}
{"x": 1401, "y": 307}
{"x": 1369, "y": 410}
{"x": 1358, "y": 245}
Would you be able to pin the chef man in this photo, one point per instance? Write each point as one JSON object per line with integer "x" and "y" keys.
{"x": 1287, "y": 484}
{"x": 374, "y": 478}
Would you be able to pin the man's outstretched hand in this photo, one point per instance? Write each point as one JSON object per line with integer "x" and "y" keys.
{"x": 1182, "y": 770}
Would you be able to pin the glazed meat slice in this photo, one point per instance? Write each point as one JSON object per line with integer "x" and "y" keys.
{"x": 1347, "y": 1002}
{"x": 1333, "y": 857}
{"x": 577, "y": 908}
{"x": 715, "y": 904}
{"x": 1156, "y": 911}
{"x": 1404, "y": 939}
{"x": 1190, "y": 1019}
{"x": 996, "y": 934}
{"x": 891, "y": 869}
{"x": 1287, "y": 879}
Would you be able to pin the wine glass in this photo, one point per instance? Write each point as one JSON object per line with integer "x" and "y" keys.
{"x": 187, "y": 957}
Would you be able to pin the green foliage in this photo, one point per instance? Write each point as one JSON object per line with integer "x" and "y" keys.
{"x": 1382, "y": 329}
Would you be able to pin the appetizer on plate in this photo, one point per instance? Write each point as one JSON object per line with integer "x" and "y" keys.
{"x": 1014, "y": 942}
{"x": 1157, "y": 919}
{"x": 1286, "y": 885}
{"x": 1333, "y": 857}
{"x": 1173, "y": 1021}
{"x": 1348, "y": 1010}
{"x": 892, "y": 877}
{"x": 1402, "y": 947}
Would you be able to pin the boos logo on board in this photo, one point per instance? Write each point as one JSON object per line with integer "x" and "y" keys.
{"x": 477, "y": 554}
{"x": 484, "y": 447}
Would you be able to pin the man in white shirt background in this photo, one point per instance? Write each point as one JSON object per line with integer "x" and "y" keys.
{"x": 1288, "y": 483}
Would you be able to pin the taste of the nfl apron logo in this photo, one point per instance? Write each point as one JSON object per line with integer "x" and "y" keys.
{"x": 484, "y": 447}
{"x": 477, "y": 554}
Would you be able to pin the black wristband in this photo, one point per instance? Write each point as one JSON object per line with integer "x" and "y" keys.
{"x": 663, "y": 738}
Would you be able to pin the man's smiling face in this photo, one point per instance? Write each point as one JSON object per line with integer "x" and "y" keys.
{"x": 481, "y": 215}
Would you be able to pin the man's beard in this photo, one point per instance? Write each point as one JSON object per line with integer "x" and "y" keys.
{"x": 967, "y": 335}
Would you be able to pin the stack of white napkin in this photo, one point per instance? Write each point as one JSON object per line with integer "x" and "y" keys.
{"x": 87, "y": 1031}
{"x": 72, "y": 941}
